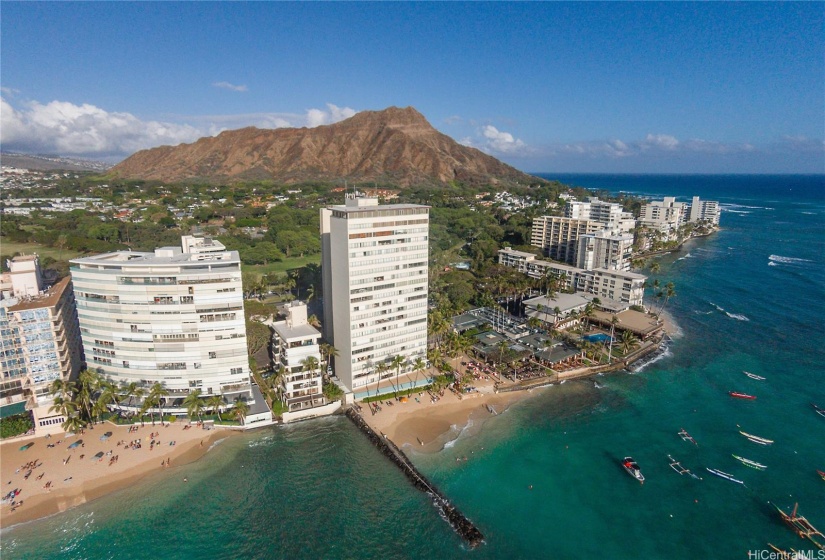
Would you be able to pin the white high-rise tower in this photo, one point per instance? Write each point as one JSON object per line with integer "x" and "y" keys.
{"x": 375, "y": 273}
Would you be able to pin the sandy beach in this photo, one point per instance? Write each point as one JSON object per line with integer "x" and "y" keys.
{"x": 425, "y": 424}
{"x": 61, "y": 477}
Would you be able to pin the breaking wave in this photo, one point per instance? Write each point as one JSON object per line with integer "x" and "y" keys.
{"x": 659, "y": 355}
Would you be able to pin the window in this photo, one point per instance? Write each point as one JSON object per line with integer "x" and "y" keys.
{"x": 213, "y": 354}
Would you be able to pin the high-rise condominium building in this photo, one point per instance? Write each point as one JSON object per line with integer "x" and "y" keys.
{"x": 610, "y": 214}
{"x": 39, "y": 341}
{"x": 663, "y": 215}
{"x": 703, "y": 210}
{"x": 374, "y": 261}
{"x": 174, "y": 316}
{"x": 559, "y": 237}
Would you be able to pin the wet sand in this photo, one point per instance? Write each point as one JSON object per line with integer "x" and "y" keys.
{"x": 76, "y": 477}
{"x": 424, "y": 424}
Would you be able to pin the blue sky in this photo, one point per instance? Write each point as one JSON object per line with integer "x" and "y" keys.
{"x": 566, "y": 87}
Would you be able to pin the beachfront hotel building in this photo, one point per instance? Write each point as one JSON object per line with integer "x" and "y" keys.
{"x": 39, "y": 341}
{"x": 622, "y": 287}
{"x": 294, "y": 341}
{"x": 174, "y": 316}
{"x": 375, "y": 274}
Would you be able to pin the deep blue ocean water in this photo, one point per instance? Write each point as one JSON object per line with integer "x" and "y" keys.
{"x": 751, "y": 297}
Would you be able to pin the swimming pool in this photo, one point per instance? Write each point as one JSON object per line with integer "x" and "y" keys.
{"x": 598, "y": 337}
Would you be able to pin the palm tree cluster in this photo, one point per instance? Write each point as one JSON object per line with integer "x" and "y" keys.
{"x": 82, "y": 402}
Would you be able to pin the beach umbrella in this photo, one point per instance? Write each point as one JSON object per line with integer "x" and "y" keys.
{"x": 23, "y": 448}
{"x": 78, "y": 443}
{"x": 98, "y": 456}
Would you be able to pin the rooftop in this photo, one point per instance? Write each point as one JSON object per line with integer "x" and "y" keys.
{"x": 48, "y": 299}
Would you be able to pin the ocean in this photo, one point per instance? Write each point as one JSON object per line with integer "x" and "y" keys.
{"x": 543, "y": 479}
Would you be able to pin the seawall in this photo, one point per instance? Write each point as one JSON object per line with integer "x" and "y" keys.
{"x": 463, "y": 526}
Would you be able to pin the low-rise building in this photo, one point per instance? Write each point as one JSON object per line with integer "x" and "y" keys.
{"x": 295, "y": 346}
{"x": 622, "y": 286}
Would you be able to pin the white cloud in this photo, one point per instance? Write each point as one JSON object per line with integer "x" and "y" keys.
{"x": 11, "y": 92}
{"x": 66, "y": 128}
{"x": 650, "y": 145}
{"x": 493, "y": 141}
{"x": 659, "y": 141}
{"x": 227, "y": 85}
{"x": 333, "y": 114}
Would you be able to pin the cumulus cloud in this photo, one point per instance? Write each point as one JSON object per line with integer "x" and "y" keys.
{"x": 227, "y": 85}
{"x": 67, "y": 128}
{"x": 491, "y": 140}
{"x": 333, "y": 114}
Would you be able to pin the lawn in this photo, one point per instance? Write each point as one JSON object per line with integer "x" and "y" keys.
{"x": 12, "y": 247}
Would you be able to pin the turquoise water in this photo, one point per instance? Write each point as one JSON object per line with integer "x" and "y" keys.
{"x": 598, "y": 337}
{"x": 751, "y": 297}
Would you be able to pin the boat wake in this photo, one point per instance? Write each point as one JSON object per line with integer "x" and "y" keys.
{"x": 737, "y": 316}
{"x": 688, "y": 256}
{"x": 788, "y": 260}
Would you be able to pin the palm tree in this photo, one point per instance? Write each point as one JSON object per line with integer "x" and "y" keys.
{"x": 628, "y": 342}
{"x": 156, "y": 394}
{"x": 277, "y": 380}
{"x": 310, "y": 364}
{"x": 397, "y": 362}
{"x": 503, "y": 348}
{"x": 655, "y": 268}
{"x": 314, "y": 321}
{"x": 241, "y": 409}
{"x": 328, "y": 351}
{"x": 670, "y": 291}
{"x": 65, "y": 406}
{"x": 613, "y": 322}
{"x": 74, "y": 424}
{"x": 108, "y": 395}
{"x": 419, "y": 365}
{"x": 588, "y": 314}
{"x": 194, "y": 404}
{"x": 380, "y": 368}
{"x": 215, "y": 402}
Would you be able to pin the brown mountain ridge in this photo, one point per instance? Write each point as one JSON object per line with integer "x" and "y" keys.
{"x": 396, "y": 146}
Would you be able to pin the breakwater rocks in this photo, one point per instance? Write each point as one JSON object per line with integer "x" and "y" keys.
{"x": 463, "y": 526}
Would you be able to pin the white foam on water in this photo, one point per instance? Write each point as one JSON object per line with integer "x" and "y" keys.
{"x": 737, "y": 316}
{"x": 788, "y": 260}
{"x": 660, "y": 356}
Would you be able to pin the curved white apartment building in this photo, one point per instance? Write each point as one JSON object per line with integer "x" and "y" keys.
{"x": 174, "y": 316}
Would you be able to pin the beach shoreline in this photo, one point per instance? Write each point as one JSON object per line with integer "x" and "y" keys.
{"x": 62, "y": 477}
{"x": 428, "y": 427}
